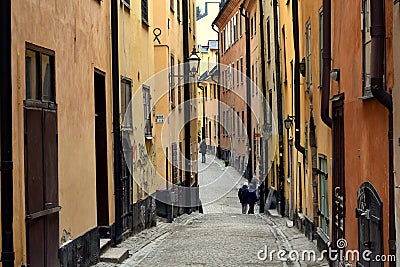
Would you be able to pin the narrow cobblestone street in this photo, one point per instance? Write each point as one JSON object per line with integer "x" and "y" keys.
{"x": 219, "y": 237}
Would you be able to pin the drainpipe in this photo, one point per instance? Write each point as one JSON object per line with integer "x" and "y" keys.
{"x": 326, "y": 63}
{"x": 263, "y": 185}
{"x": 378, "y": 91}
{"x": 186, "y": 98}
{"x": 116, "y": 127}
{"x": 6, "y": 166}
{"x": 297, "y": 108}
{"x": 281, "y": 183}
{"x": 249, "y": 167}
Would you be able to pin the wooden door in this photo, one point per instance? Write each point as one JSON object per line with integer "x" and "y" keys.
{"x": 338, "y": 185}
{"x": 41, "y": 184}
{"x": 369, "y": 214}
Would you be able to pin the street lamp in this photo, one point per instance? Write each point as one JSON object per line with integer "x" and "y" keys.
{"x": 288, "y": 122}
{"x": 194, "y": 62}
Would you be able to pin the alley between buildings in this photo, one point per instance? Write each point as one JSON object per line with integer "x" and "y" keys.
{"x": 221, "y": 236}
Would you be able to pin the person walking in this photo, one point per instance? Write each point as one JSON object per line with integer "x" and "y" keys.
{"x": 242, "y": 194}
{"x": 203, "y": 150}
{"x": 252, "y": 195}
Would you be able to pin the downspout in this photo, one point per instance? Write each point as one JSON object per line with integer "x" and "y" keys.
{"x": 186, "y": 99}
{"x": 281, "y": 183}
{"x": 326, "y": 63}
{"x": 297, "y": 108}
{"x": 219, "y": 97}
{"x": 249, "y": 167}
{"x": 116, "y": 127}
{"x": 378, "y": 91}
{"x": 263, "y": 185}
{"x": 6, "y": 166}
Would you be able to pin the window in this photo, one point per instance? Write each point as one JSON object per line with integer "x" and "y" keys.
{"x": 238, "y": 123}
{"x": 194, "y": 17}
{"x": 215, "y": 126}
{"x": 127, "y": 3}
{"x": 242, "y": 123}
{"x": 215, "y": 91}
{"x": 256, "y": 74}
{"x": 270, "y": 106}
{"x": 233, "y": 122}
{"x": 172, "y": 92}
{"x": 40, "y": 69}
{"x": 237, "y": 72}
{"x": 321, "y": 45}
{"x": 126, "y": 96}
{"x": 323, "y": 194}
{"x": 179, "y": 84}
{"x": 255, "y": 23}
{"x": 268, "y": 41}
{"x": 235, "y": 27}
{"x": 241, "y": 70}
{"x": 308, "y": 54}
{"x": 252, "y": 80}
{"x": 171, "y": 5}
{"x": 233, "y": 74}
{"x": 366, "y": 48}
{"x": 147, "y": 110}
{"x": 145, "y": 12}
{"x": 251, "y": 27}
{"x": 240, "y": 25}
{"x": 178, "y": 10}
{"x": 284, "y": 54}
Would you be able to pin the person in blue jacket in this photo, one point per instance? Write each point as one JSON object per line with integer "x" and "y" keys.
{"x": 252, "y": 195}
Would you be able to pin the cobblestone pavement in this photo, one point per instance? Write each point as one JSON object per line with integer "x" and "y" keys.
{"x": 219, "y": 237}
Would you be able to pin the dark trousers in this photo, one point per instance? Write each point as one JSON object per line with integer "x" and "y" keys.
{"x": 251, "y": 208}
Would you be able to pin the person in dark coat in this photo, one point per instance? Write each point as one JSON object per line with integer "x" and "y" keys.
{"x": 242, "y": 194}
{"x": 252, "y": 197}
{"x": 203, "y": 150}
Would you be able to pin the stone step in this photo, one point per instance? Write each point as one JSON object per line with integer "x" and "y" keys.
{"x": 115, "y": 255}
{"x": 104, "y": 244}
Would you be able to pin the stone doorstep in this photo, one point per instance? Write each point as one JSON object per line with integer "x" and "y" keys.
{"x": 104, "y": 244}
{"x": 115, "y": 255}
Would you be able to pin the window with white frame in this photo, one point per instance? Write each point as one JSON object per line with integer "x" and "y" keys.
{"x": 366, "y": 48}
{"x": 308, "y": 54}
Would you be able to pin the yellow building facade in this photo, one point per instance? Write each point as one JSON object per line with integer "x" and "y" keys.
{"x": 66, "y": 58}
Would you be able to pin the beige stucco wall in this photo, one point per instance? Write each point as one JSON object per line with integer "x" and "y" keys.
{"x": 136, "y": 63}
{"x": 170, "y": 43}
{"x": 310, "y": 12}
{"x": 79, "y": 34}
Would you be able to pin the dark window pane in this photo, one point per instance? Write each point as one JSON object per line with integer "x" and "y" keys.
{"x": 126, "y": 110}
{"x": 46, "y": 78}
{"x": 145, "y": 17}
{"x": 31, "y": 75}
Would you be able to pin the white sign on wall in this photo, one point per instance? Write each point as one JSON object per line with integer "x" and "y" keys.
{"x": 160, "y": 118}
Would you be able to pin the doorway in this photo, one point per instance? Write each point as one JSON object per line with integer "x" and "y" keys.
{"x": 41, "y": 158}
{"x": 101, "y": 148}
{"x": 369, "y": 214}
{"x": 338, "y": 186}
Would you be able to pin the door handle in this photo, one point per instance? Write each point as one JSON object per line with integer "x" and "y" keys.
{"x": 48, "y": 204}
